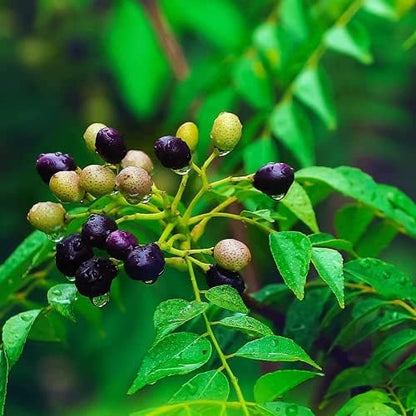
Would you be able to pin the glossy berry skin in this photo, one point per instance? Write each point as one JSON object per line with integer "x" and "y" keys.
{"x": 97, "y": 228}
{"x": 274, "y": 179}
{"x": 232, "y": 254}
{"x": 65, "y": 185}
{"x": 71, "y": 252}
{"x": 226, "y": 131}
{"x": 48, "y": 217}
{"x": 188, "y": 132}
{"x": 172, "y": 152}
{"x": 109, "y": 144}
{"x": 94, "y": 276}
{"x": 119, "y": 243}
{"x": 134, "y": 183}
{"x": 145, "y": 263}
{"x": 217, "y": 276}
{"x": 90, "y": 135}
{"x": 48, "y": 164}
{"x": 97, "y": 180}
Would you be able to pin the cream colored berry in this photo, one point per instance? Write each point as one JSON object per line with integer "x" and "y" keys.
{"x": 188, "y": 132}
{"x": 226, "y": 131}
{"x": 138, "y": 159}
{"x": 66, "y": 187}
{"x": 97, "y": 180}
{"x": 232, "y": 254}
{"x": 91, "y": 134}
{"x": 48, "y": 217}
{"x": 134, "y": 183}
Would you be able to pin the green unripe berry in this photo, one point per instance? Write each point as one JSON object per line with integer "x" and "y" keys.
{"x": 188, "y": 132}
{"x": 91, "y": 134}
{"x": 232, "y": 254}
{"x": 66, "y": 187}
{"x": 135, "y": 184}
{"x": 48, "y": 217}
{"x": 97, "y": 180}
{"x": 226, "y": 131}
{"x": 138, "y": 159}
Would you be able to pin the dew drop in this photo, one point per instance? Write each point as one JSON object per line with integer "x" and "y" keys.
{"x": 146, "y": 198}
{"x": 70, "y": 278}
{"x": 149, "y": 282}
{"x": 292, "y": 410}
{"x": 101, "y": 301}
{"x": 56, "y": 292}
{"x": 277, "y": 197}
{"x": 26, "y": 317}
{"x": 56, "y": 236}
{"x": 222, "y": 153}
{"x": 182, "y": 171}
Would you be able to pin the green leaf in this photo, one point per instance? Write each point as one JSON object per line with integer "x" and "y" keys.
{"x": 275, "y": 348}
{"x": 312, "y": 89}
{"x": 270, "y": 292}
{"x": 49, "y": 326}
{"x": 177, "y": 353}
{"x": 226, "y": 297}
{"x": 382, "y": 8}
{"x": 62, "y": 297}
{"x": 287, "y": 409}
{"x": 297, "y": 201}
{"x": 356, "y": 377}
{"x": 374, "y": 409}
{"x": 261, "y": 214}
{"x": 369, "y": 397}
{"x": 393, "y": 343}
{"x": 359, "y": 215}
{"x": 4, "y": 378}
{"x": 211, "y": 385}
{"x": 258, "y": 153}
{"x": 266, "y": 40}
{"x": 292, "y": 253}
{"x": 329, "y": 265}
{"x": 173, "y": 313}
{"x": 252, "y": 82}
{"x": 293, "y": 18}
{"x": 385, "y": 278}
{"x": 329, "y": 241}
{"x": 409, "y": 362}
{"x": 291, "y": 126}
{"x": 136, "y": 58}
{"x": 353, "y": 40}
{"x": 274, "y": 385}
{"x": 15, "y": 332}
{"x": 13, "y": 272}
{"x": 246, "y": 324}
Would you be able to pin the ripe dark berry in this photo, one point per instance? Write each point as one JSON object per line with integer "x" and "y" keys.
{"x": 172, "y": 152}
{"x": 274, "y": 179}
{"x": 145, "y": 263}
{"x": 94, "y": 276}
{"x": 48, "y": 164}
{"x": 97, "y": 228}
{"x": 119, "y": 243}
{"x": 109, "y": 144}
{"x": 71, "y": 252}
{"x": 217, "y": 276}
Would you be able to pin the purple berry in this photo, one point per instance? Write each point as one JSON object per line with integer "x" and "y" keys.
{"x": 172, "y": 152}
{"x": 97, "y": 228}
{"x": 71, "y": 252}
{"x": 110, "y": 145}
{"x": 48, "y": 164}
{"x": 217, "y": 276}
{"x": 145, "y": 263}
{"x": 119, "y": 243}
{"x": 94, "y": 276}
{"x": 274, "y": 179}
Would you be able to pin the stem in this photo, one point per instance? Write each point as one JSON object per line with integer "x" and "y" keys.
{"x": 142, "y": 216}
{"x": 231, "y": 376}
{"x": 397, "y": 400}
{"x": 231, "y": 179}
{"x": 179, "y": 194}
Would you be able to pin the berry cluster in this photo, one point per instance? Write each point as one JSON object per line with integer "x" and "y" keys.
{"x": 125, "y": 178}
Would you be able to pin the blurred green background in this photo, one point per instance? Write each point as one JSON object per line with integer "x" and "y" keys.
{"x": 67, "y": 63}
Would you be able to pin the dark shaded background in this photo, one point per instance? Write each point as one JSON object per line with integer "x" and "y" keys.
{"x": 63, "y": 65}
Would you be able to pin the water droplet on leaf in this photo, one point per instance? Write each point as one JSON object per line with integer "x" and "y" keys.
{"x": 292, "y": 410}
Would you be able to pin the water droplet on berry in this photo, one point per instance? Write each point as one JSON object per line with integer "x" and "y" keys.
{"x": 149, "y": 282}
{"x": 70, "y": 278}
{"x": 146, "y": 198}
{"x": 56, "y": 236}
{"x": 101, "y": 301}
{"x": 26, "y": 317}
{"x": 133, "y": 199}
{"x": 277, "y": 197}
{"x": 222, "y": 153}
{"x": 182, "y": 171}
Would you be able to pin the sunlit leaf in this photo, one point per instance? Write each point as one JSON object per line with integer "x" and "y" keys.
{"x": 369, "y": 397}
{"x": 226, "y": 297}
{"x": 246, "y": 324}
{"x": 62, "y": 297}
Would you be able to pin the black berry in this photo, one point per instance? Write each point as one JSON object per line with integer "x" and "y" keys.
{"x": 145, "y": 263}
{"x": 172, "y": 152}
{"x": 48, "y": 164}
{"x": 274, "y": 179}
{"x": 97, "y": 228}
{"x": 71, "y": 252}
{"x": 217, "y": 276}
{"x": 110, "y": 145}
{"x": 119, "y": 243}
{"x": 94, "y": 276}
